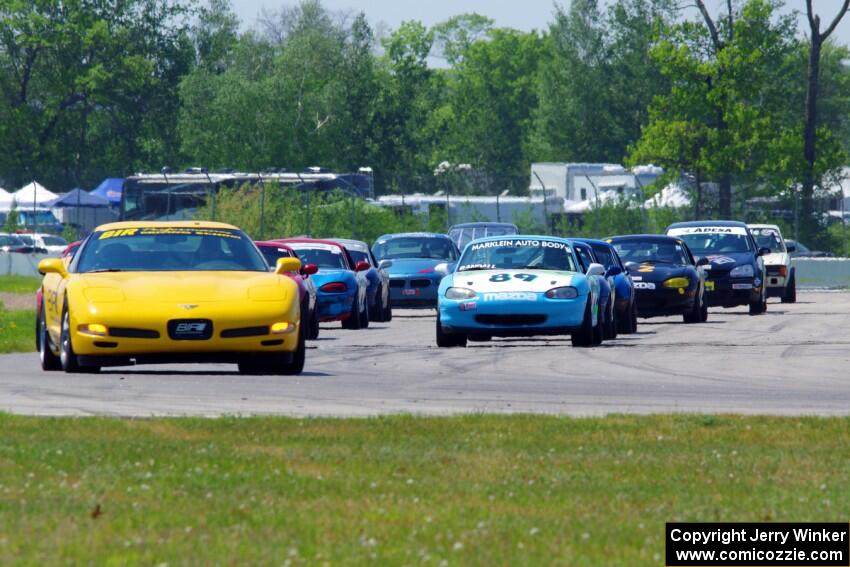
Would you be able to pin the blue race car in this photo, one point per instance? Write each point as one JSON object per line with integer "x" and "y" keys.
{"x": 378, "y": 290}
{"x": 341, "y": 282}
{"x": 416, "y": 262}
{"x": 625, "y": 307}
{"x": 586, "y": 256}
{"x": 735, "y": 269}
{"x": 519, "y": 286}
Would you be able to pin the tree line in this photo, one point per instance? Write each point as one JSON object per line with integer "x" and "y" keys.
{"x": 741, "y": 98}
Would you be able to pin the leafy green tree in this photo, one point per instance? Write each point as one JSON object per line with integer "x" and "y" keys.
{"x": 95, "y": 76}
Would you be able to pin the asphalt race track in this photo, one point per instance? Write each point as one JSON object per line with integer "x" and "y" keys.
{"x": 795, "y": 359}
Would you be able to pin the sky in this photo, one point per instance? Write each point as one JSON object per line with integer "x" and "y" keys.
{"x": 520, "y": 14}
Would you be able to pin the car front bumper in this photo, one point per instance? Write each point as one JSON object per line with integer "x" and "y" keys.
{"x": 542, "y": 316}
{"x": 724, "y": 291}
{"x": 414, "y": 291}
{"x": 662, "y": 302}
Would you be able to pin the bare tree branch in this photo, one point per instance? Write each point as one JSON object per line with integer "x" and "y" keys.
{"x": 810, "y": 14}
{"x": 730, "y": 22}
{"x": 712, "y": 29}
{"x": 832, "y": 26}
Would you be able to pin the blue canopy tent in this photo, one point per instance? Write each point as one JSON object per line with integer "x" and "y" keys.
{"x": 110, "y": 189}
{"x": 82, "y": 210}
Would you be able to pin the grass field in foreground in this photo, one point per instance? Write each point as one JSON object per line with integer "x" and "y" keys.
{"x": 475, "y": 490}
{"x": 19, "y": 284}
{"x": 17, "y": 330}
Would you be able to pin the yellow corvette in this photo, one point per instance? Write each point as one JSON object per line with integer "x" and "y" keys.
{"x": 151, "y": 292}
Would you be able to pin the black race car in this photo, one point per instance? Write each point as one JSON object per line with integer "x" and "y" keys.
{"x": 667, "y": 279}
{"x": 735, "y": 270}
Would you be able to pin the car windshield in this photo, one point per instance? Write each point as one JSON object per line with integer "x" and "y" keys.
{"x": 464, "y": 235}
{"x": 10, "y": 240}
{"x": 604, "y": 255}
{"x": 272, "y": 253}
{"x": 415, "y": 247}
{"x": 359, "y": 256}
{"x": 651, "y": 251}
{"x": 169, "y": 249}
{"x": 26, "y": 239}
{"x": 518, "y": 254}
{"x": 50, "y": 240}
{"x": 704, "y": 240}
{"x": 323, "y": 255}
{"x": 768, "y": 238}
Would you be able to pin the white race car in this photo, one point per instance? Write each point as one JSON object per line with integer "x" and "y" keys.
{"x": 780, "y": 279}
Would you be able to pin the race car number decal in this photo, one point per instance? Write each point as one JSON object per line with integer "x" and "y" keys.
{"x": 510, "y": 296}
{"x": 506, "y": 277}
{"x": 644, "y": 285}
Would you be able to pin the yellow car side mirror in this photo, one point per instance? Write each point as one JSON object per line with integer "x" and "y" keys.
{"x": 287, "y": 265}
{"x": 52, "y": 266}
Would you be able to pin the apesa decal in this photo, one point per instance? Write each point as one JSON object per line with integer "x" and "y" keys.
{"x": 510, "y": 296}
{"x": 707, "y": 230}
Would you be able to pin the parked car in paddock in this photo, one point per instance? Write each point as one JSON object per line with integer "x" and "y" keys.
{"x": 13, "y": 243}
{"x": 667, "y": 279}
{"x": 307, "y": 294}
{"x": 45, "y": 243}
{"x": 735, "y": 270}
{"x": 803, "y": 251}
{"x": 416, "y": 263}
{"x": 586, "y": 257}
{"x": 340, "y": 282}
{"x": 182, "y": 291}
{"x": 780, "y": 275}
{"x": 464, "y": 233}
{"x": 519, "y": 286}
{"x": 625, "y": 307}
{"x": 378, "y": 291}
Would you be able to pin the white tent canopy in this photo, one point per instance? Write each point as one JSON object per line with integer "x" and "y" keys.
{"x": 5, "y": 199}
{"x": 33, "y": 192}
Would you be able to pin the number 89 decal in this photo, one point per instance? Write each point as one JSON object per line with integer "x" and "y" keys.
{"x": 507, "y": 277}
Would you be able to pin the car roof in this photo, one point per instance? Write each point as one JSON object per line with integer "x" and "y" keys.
{"x": 482, "y": 224}
{"x": 644, "y": 237}
{"x": 164, "y": 224}
{"x": 707, "y": 223}
{"x": 271, "y": 243}
{"x": 309, "y": 241}
{"x": 358, "y": 245}
{"x": 770, "y": 226}
{"x": 412, "y": 234}
{"x": 591, "y": 241}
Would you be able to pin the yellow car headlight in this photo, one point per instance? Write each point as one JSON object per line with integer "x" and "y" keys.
{"x": 281, "y": 328}
{"x": 94, "y": 329}
{"x": 677, "y": 282}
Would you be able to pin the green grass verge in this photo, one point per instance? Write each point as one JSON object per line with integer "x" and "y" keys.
{"x": 475, "y": 490}
{"x": 19, "y": 284}
{"x": 17, "y": 330}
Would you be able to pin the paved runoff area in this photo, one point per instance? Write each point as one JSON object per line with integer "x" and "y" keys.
{"x": 793, "y": 360}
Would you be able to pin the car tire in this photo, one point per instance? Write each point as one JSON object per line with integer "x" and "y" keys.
{"x": 388, "y": 310}
{"x": 694, "y": 315}
{"x": 364, "y": 315}
{"x": 610, "y": 325}
{"x": 68, "y": 359}
{"x": 449, "y": 340}
{"x": 314, "y": 325}
{"x": 352, "y": 323}
{"x": 296, "y": 365}
{"x": 584, "y": 336}
{"x": 599, "y": 329}
{"x": 790, "y": 295}
{"x": 49, "y": 360}
{"x": 759, "y": 306}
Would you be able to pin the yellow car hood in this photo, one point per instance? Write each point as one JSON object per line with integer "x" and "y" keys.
{"x": 196, "y": 287}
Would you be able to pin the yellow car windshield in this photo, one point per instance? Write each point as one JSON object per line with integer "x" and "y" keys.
{"x": 161, "y": 249}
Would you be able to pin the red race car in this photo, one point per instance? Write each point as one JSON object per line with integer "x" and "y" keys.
{"x": 272, "y": 250}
